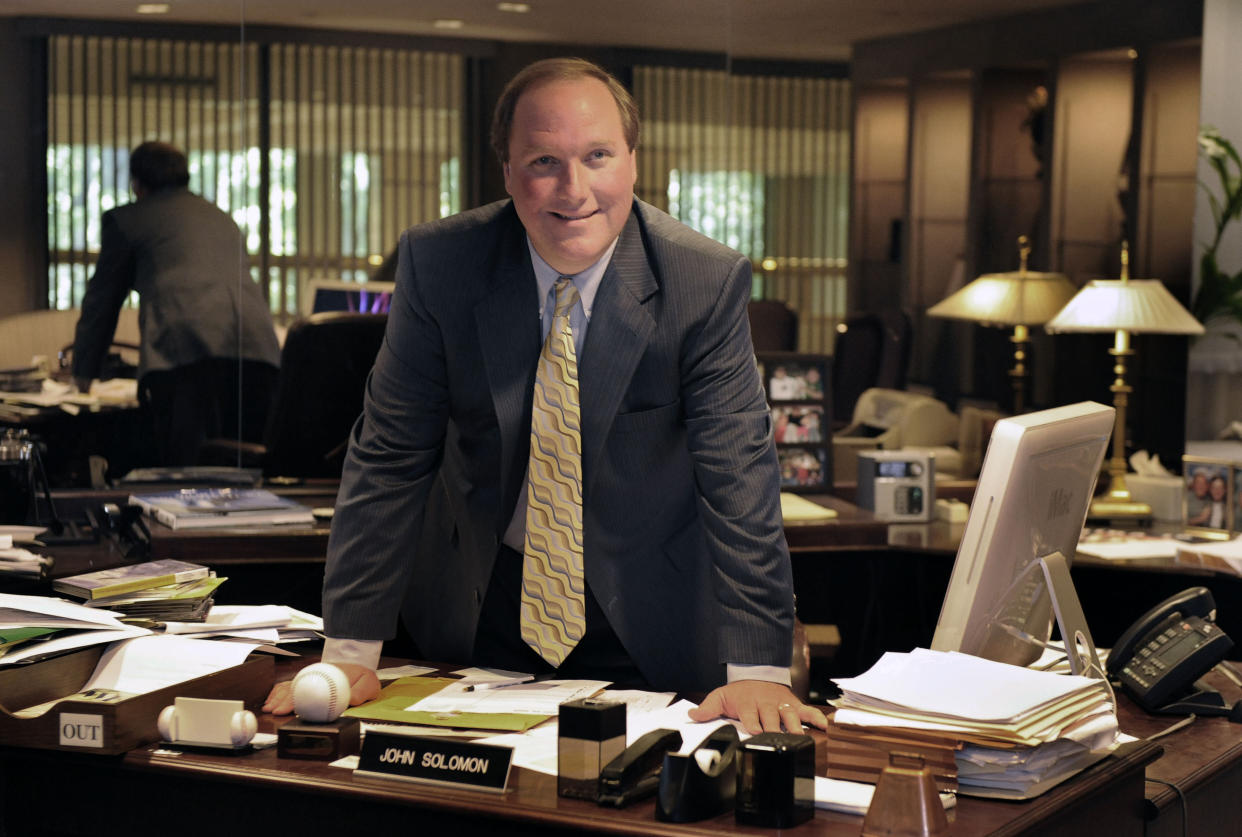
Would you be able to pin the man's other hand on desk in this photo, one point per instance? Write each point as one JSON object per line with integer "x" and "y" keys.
{"x": 761, "y": 706}
{"x": 363, "y": 686}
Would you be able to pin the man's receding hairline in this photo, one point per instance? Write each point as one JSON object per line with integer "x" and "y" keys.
{"x": 548, "y": 82}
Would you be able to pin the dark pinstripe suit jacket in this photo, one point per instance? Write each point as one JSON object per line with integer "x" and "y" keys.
{"x": 683, "y": 540}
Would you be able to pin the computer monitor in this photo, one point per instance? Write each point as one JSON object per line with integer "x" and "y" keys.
{"x": 362, "y": 297}
{"x": 1011, "y": 573}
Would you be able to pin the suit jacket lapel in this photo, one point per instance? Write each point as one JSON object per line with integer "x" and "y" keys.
{"x": 617, "y": 337}
{"x": 507, "y": 325}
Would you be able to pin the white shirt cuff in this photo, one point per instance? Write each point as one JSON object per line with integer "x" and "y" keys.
{"x": 773, "y": 674}
{"x": 363, "y": 652}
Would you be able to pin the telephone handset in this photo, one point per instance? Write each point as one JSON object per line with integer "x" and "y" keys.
{"x": 1159, "y": 657}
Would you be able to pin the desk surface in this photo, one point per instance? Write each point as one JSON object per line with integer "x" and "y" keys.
{"x": 1203, "y": 761}
{"x": 260, "y": 793}
{"x": 853, "y": 528}
{"x": 1200, "y": 760}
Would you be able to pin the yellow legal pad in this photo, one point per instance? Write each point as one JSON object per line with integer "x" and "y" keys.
{"x": 396, "y": 696}
{"x": 795, "y": 509}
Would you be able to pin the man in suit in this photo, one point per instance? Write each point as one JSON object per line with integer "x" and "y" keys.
{"x": 687, "y": 577}
{"x": 207, "y": 333}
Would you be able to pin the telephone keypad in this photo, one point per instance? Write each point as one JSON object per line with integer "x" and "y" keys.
{"x": 1191, "y": 643}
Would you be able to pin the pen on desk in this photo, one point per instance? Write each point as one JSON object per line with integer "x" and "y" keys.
{"x": 497, "y": 684}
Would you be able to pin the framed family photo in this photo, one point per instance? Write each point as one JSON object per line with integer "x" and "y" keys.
{"x": 797, "y": 390}
{"x": 1209, "y": 494}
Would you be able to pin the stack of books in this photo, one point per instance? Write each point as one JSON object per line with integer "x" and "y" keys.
{"x": 186, "y": 601}
{"x": 1013, "y": 732}
{"x": 199, "y": 508}
{"x": 159, "y": 591}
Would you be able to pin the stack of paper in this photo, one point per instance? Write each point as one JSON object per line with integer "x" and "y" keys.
{"x": 16, "y": 561}
{"x": 145, "y": 664}
{"x": 1021, "y": 731}
{"x": 37, "y": 626}
{"x": 267, "y": 624}
{"x": 795, "y": 509}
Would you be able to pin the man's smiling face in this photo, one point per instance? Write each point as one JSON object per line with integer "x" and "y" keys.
{"x": 570, "y": 172}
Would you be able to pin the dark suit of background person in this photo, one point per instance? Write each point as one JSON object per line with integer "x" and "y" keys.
{"x": 199, "y": 312}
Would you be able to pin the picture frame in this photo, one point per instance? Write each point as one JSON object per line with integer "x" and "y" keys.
{"x": 797, "y": 387}
{"x": 1208, "y": 498}
{"x": 1235, "y": 504}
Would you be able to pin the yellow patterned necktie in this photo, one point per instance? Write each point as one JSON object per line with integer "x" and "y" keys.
{"x": 553, "y": 602}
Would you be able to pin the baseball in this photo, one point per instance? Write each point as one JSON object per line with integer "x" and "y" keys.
{"x": 320, "y": 693}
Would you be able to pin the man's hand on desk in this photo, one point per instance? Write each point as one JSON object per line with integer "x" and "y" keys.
{"x": 761, "y": 706}
{"x": 363, "y": 686}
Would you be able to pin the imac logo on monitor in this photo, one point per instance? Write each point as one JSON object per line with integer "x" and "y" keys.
{"x": 1011, "y": 575}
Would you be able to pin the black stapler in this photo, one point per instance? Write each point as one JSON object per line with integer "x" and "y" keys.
{"x": 700, "y": 784}
{"x": 635, "y": 774}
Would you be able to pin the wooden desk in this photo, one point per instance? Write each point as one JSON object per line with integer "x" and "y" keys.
{"x": 116, "y": 431}
{"x": 1204, "y": 761}
{"x": 224, "y": 546}
{"x": 264, "y": 564}
{"x": 150, "y": 790}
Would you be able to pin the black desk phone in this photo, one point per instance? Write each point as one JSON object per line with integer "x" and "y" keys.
{"x": 1159, "y": 657}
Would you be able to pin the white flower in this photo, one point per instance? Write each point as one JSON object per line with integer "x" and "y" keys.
{"x": 1211, "y": 142}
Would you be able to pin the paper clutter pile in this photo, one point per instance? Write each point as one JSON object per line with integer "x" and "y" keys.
{"x": 1013, "y": 732}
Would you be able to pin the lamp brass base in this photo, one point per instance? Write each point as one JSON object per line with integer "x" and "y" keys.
{"x": 1110, "y": 509}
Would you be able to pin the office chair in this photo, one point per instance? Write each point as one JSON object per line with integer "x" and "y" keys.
{"x": 773, "y": 326}
{"x": 323, "y": 373}
{"x": 871, "y": 350}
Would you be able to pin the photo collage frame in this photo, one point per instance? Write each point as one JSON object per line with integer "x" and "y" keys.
{"x": 798, "y": 391}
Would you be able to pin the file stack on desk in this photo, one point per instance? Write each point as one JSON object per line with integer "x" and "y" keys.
{"x": 201, "y": 508}
{"x": 17, "y": 561}
{"x": 1015, "y": 732}
{"x": 127, "y": 578}
{"x": 152, "y": 590}
{"x": 858, "y": 754}
{"x": 186, "y": 601}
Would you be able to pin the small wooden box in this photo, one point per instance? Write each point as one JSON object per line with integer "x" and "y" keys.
{"x": 330, "y": 741}
{"x": 85, "y": 726}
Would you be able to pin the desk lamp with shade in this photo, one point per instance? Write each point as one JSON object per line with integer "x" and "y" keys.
{"x": 1123, "y": 306}
{"x": 1020, "y": 298}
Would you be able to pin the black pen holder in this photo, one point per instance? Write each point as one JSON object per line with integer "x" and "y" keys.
{"x": 776, "y": 780}
{"x": 590, "y": 733}
{"x": 691, "y": 790}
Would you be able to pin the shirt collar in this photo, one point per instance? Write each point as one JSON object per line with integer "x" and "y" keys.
{"x": 586, "y": 281}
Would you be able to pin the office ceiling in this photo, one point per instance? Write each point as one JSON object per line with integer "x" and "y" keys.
{"x": 779, "y": 29}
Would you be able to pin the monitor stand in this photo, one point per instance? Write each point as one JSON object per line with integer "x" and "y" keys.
{"x": 1079, "y": 647}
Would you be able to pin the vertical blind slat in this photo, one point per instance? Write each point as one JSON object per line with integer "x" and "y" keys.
{"x": 362, "y": 142}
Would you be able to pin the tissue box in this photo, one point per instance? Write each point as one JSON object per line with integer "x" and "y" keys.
{"x": 1163, "y": 494}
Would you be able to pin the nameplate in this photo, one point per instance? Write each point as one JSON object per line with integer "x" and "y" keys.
{"x": 441, "y": 761}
